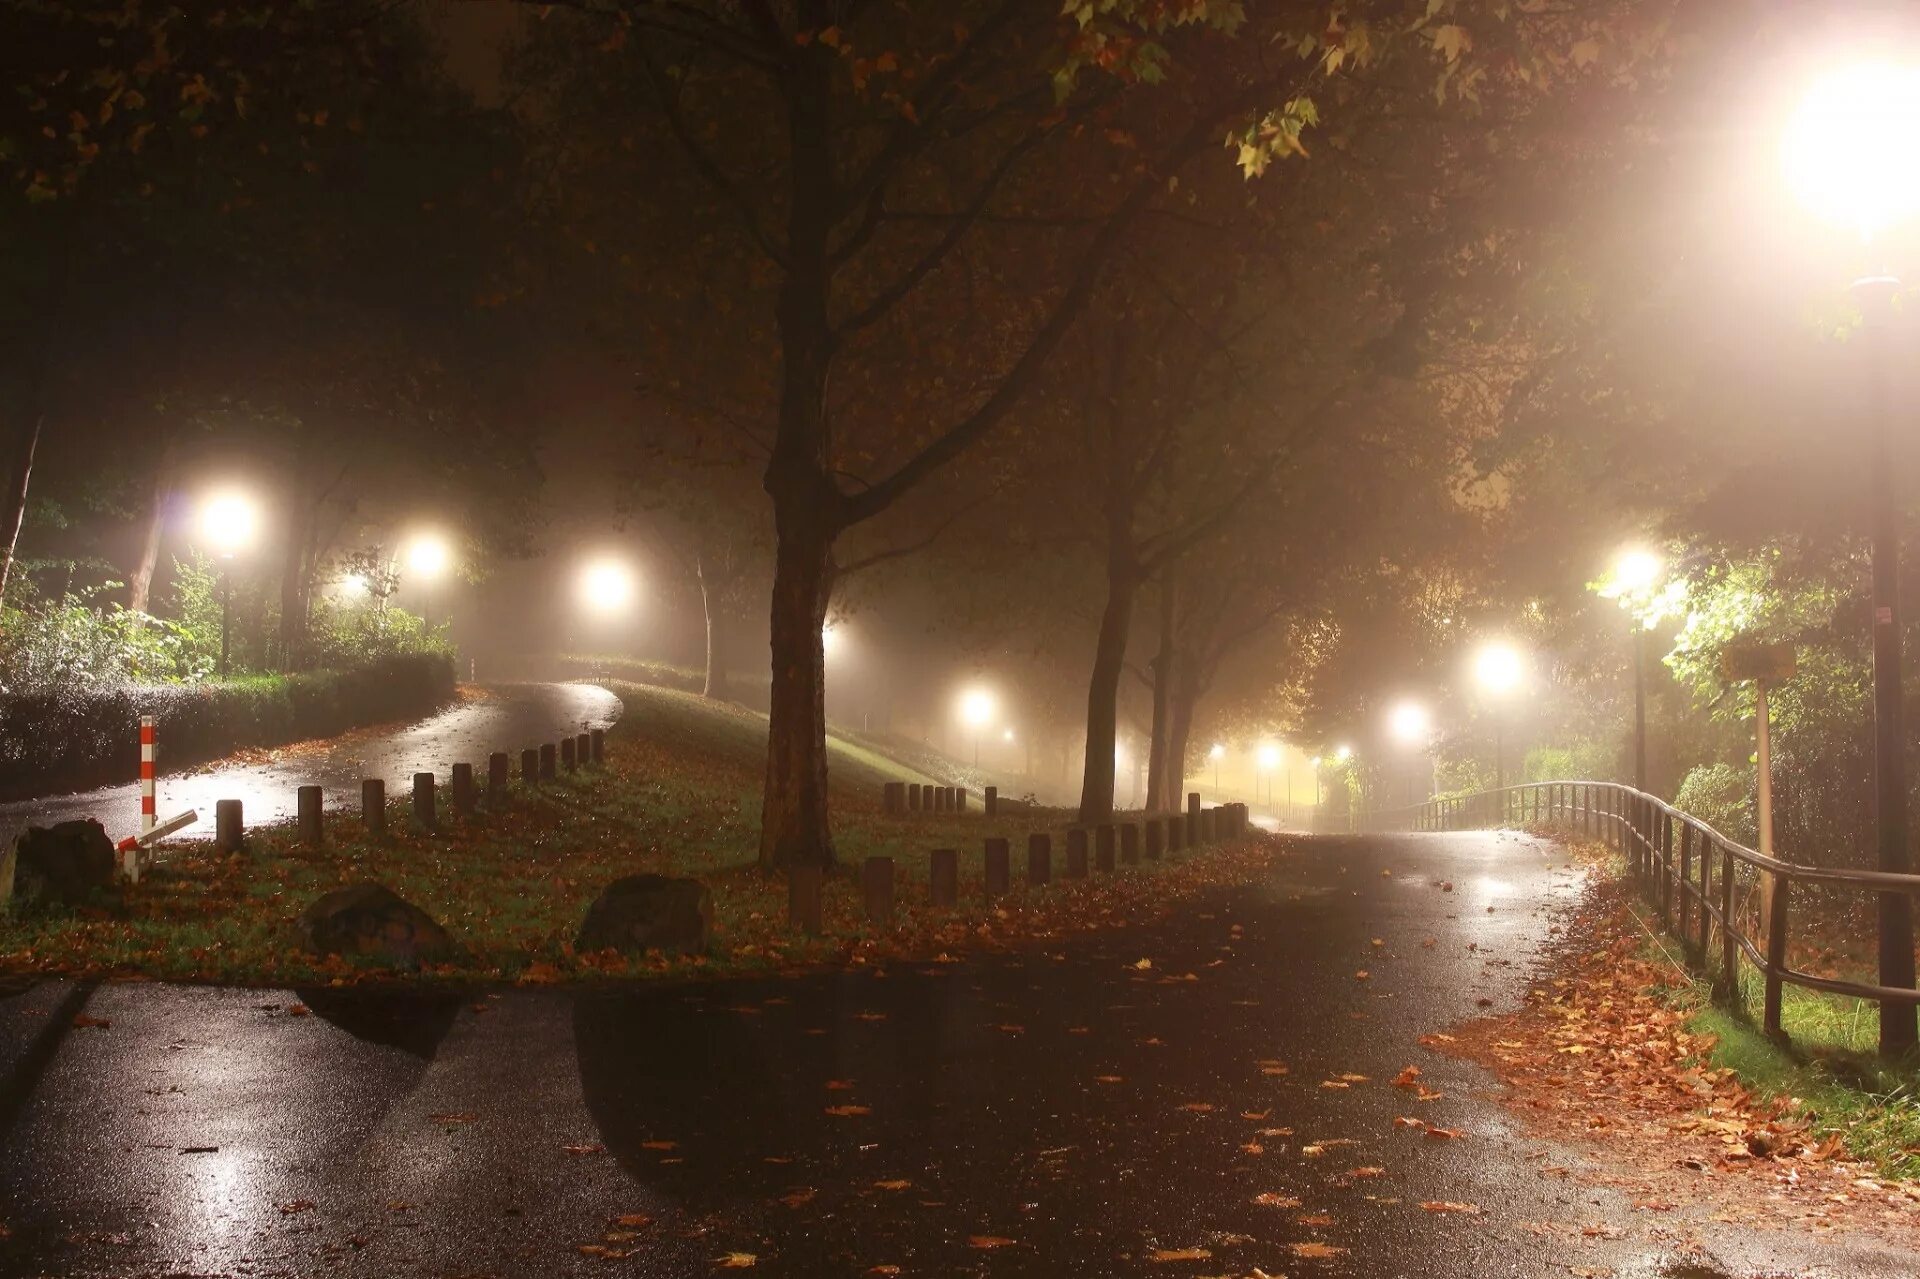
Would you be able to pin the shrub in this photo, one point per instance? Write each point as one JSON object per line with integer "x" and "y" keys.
{"x": 1721, "y": 796}
{"x": 85, "y": 734}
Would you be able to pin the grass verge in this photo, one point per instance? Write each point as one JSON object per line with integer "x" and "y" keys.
{"x": 680, "y": 794}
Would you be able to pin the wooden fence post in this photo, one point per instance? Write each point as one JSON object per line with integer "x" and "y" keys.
{"x": 424, "y": 814}
{"x": 893, "y": 798}
{"x": 1663, "y": 824}
{"x": 496, "y": 778}
{"x": 990, "y": 800}
{"x": 1684, "y": 876}
{"x": 1129, "y": 843}
{"x": 1776, "y": 955}
{"x": 999, "y": 863}
{"x": 530, "y": 767}
{"x": 229, "y": 826}
{"x": 1039, "y": 859}
{"x": 876, "y": 882}
{"x": 597, "y": 743}
{"x": 959, "y": 799}
{"x": 1103, "y": 846}
{"x": 567, "y": 760}
{"x": 307, "y": 801}
{"x": 548, "y": 753}
{"x": 1193, "y": 818}
{"x": 1156, "y": 838}
{"x": 373, "y": 807}
{"x": 1176, "y": 832}
{"x": 913, "y": 797}
{"x": 1729, "y": 982}
{"x": 943, "y": 878}
{"x": 582, "y": 749}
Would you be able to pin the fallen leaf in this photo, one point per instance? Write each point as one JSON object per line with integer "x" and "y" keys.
{"x": 1443, "y": 1205}
{"x": 1443, "y": 1134}
{"x": 844, "y": 1112}
{"x": 296, "y": 1207}
{"x": 1197, "y": 1107}
{"x": 633, "y": 1220}
{"x": 1313, "y": 1248}
{"x": 799, "y": 1197}
{"x": 1271, "y": 1200}
{"x": 1179, "y": 1254}
{"x": 735, "y": 1261}
{"x": 84, "y": 1022}
{"x": 453, "y": 1117}
{"x": 595, "y": 1149}
{"x": 898, "y": 1184}
{"x": 989, "y": 1241}
{"x": 659, "y": 1145}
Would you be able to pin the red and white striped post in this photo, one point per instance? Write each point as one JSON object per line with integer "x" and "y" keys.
{"x": 148, "y": 814}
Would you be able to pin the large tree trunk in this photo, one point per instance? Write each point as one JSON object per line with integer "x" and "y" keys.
{"x": 1103, "y": 695}
{"x": 293, "y": 577}
{"x": 13, "y": 503}
{"x": 1184, "y": 699}
{"x": 1159, "y": 789}
{"x": 793, "y": 814}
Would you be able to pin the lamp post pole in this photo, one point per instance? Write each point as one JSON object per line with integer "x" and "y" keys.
{"x": 1897, "y": 1025}
{"x": 1639, "y": 706}
{"x": 226, "y": 611}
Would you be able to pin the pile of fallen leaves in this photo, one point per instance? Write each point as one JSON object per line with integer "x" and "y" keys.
{"x": 1596, "y": 1052}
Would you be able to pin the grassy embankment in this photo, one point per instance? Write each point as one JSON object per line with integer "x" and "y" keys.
{"x": 1828, "y": 1066}
{"x": 679, "y": 794}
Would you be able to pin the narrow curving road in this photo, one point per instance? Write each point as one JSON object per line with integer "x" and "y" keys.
{"x": 1212, "y": 1095}
{"x": 489, "y": 717}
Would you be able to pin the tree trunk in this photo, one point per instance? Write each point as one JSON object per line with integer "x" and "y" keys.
{"x": 793, "y": 815}
{"x": 1184, "y": 698}
{"x": 293, "y": 560}
{"x": 13, "y": 503}
{"x": 140, "y": 581}
{"x": 1161, "y": 791}
{"x": 710, "y": 686}
{"x": 1103, "y": 695}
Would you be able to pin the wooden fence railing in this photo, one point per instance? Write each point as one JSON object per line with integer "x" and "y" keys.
{"x": 1713, "y": 894}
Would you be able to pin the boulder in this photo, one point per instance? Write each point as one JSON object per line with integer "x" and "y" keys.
{"x": 649, "y": 912}
{"x": 63, "y": 864}
{"x": 369, "y": 921}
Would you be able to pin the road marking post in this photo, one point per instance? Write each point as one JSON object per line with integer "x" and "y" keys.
{"x": 149, "y": 811}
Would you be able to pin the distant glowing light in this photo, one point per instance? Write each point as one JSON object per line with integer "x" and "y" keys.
{"x": 606, "y": 586}
{"x": 229, "y": 522}
{"x": 1847, "y": 151}
{"x": 1637, "y": 570}
{"x": 977, "y": 707}
{"x": 429, "y": 555}
{"x": 1410, "y": 724}
{"x": 1315, "y": 763}
{"x": 829, "y": 639}
{"x": 1119, "y": 755}
{"x": 1268, "y": 756}
{"x": 354, "y": 586}
{"x": 1499, "y": 668}
{"x": 1007, "y": 736}
{"x": 1344, "y": 754}
{"x": 1217, "y": 752}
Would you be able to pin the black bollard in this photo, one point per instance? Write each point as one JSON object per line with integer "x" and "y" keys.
{"x": 424, "y": 814}
{"x": 1077, "y": 853}
{"x": 530, "y": 766}
{"x": 1039, "y": 859}
{"x": 876, "y": 884}
{"x": 893, "y": 798}
{"x": 999, "y": 868}
{"x": 567, "y": 760}
{"x": 373, "y": 807}
{"x": 307, "y": 801}
{"x": 803, "y": 898}
{"x": 582, "y": 749}
{"x": 1103, "y": 846}
{"x": 548, "y": 754}
{"x": 943, "y": 878}
{"x": 990, "y": 801}
{"x": 1156, "y": 838}
{"x": 597, "y": 744}
{"x": 496, "y": 777}
{"x": 463, "y": 796}
{"x": 1129, "y": 843}
{"x": 229, "y": 826}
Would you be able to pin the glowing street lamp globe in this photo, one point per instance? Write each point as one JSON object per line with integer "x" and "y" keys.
{"x": 1847, "y": 152}
{"x": 1268, "y": 756}
{"x": 229, "y": 522}
{"x": 1218, "y": 752}
{"x": 1007, "y": 736}
{"x": 606, "y": 586}
{"x": 1410, "y": 724}
{"x": 429, "y": 555}
{"x": 1344, "y": 754}
{"x": 977, "y": 707}
{"x": 1499, "y": 669}
{"x": 1637, "y": 571}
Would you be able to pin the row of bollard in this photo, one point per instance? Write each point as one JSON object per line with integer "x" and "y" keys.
{"x": 914, "y": 797}
{"x": 1121, "y": 843}
{"x": 536, "y": 765}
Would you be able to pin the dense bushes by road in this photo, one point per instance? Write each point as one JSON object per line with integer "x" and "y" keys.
{"x": 88, "y": 734}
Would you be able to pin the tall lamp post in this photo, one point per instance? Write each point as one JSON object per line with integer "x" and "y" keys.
{"x": 227, "y": 522}
{"x": 1498, "y": 669}
{"x": 1634, "y": 573}
{"x": 1409, "y": 724}
{"x": 1269, "y": 756}
{"x": 428, "y": 556}
{"x": 1847, "y": 153}
{"x": 1216, "y": 754}
{"x": 977, "y": 707}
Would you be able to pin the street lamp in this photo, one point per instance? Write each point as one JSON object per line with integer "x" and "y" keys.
{"x": 1634, "y": 575}
{"x": 1268, "y": 757}
{"x": 1847, "y": 154}
{"x": 606, "y": 587}
{"x": 977, "y": 707}
{"x": 428, "y": 556}
{"x": 1215, "y": 755}
{"x": 1314, "y": 763}
{"x": 1409, "y": 724}
{"x": 1498, "y": 670}
{"x": 228, "y": 522}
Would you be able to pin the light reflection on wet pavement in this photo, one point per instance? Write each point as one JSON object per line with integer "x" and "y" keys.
{"x": 497, "y": 717}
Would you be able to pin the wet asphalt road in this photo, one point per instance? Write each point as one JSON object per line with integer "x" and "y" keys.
{"x": 504, "y": 717}
{"x": 1084, "y": 1108}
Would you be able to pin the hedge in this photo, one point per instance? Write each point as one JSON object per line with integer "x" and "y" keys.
{"x": 90, "y": 736}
